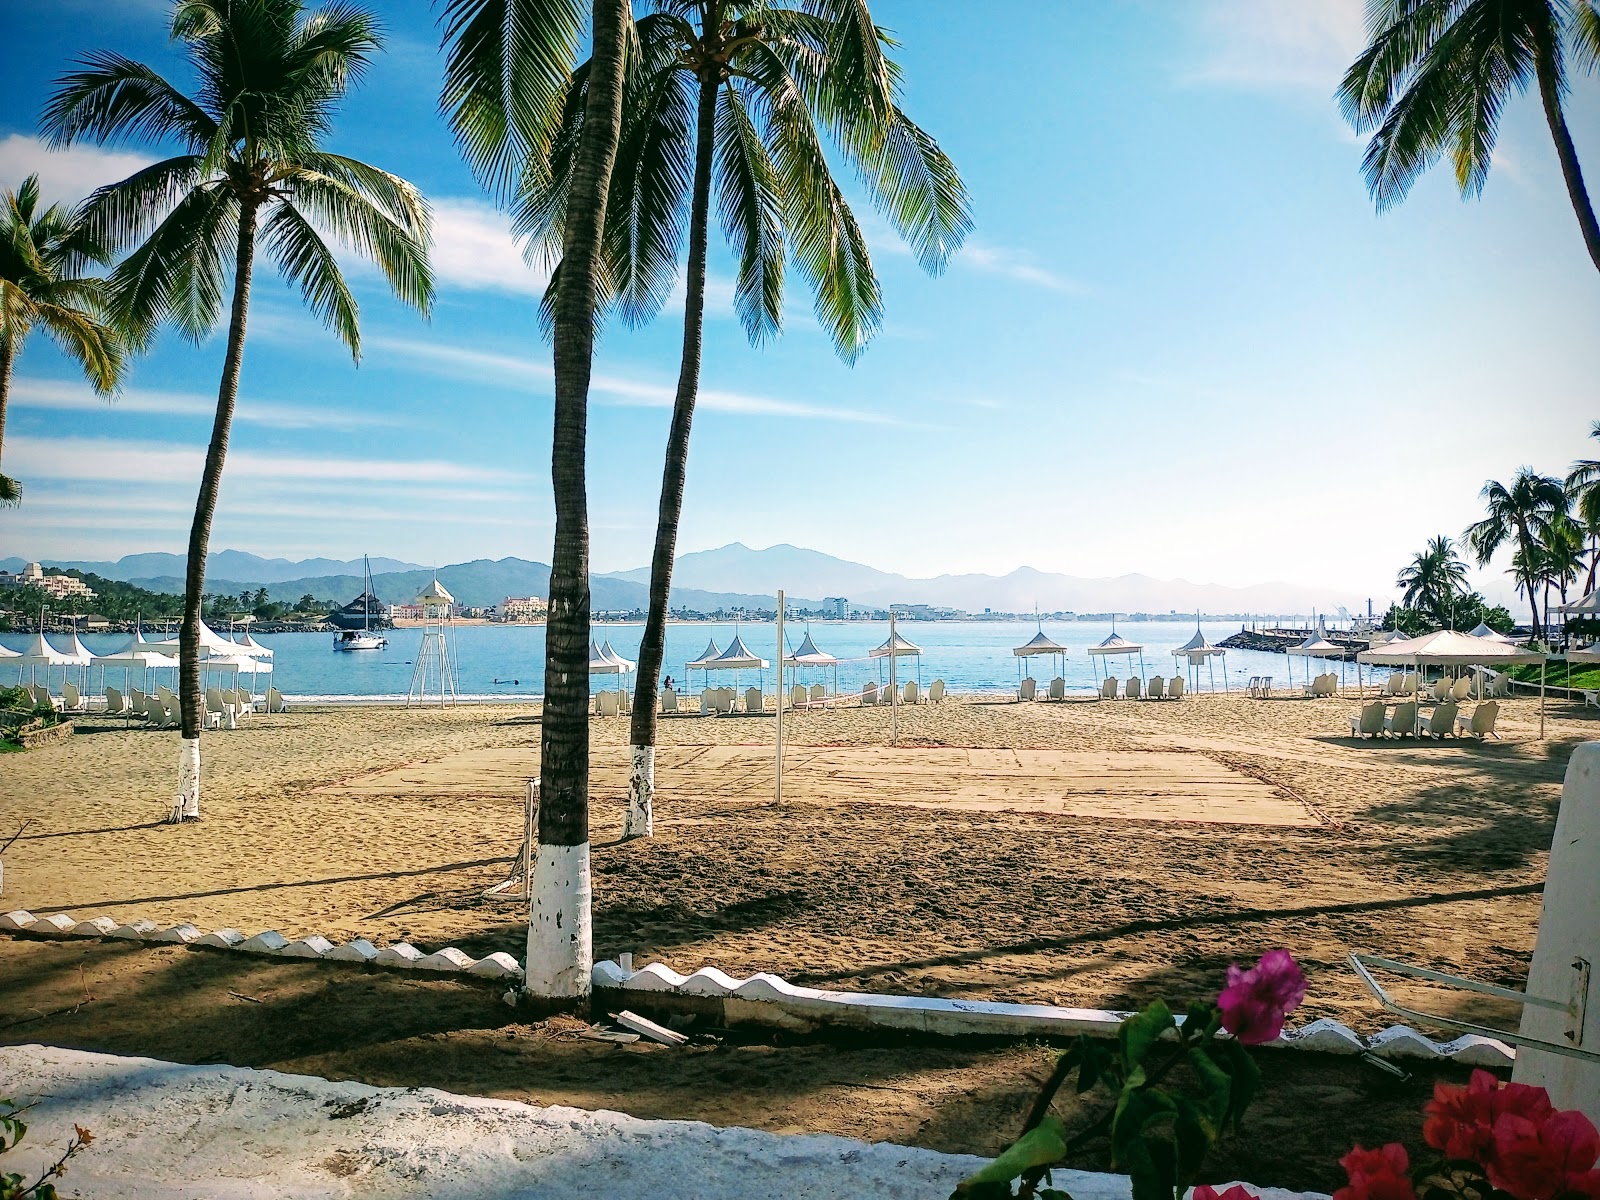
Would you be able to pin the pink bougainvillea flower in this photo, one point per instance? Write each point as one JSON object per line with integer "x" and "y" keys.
{"x": 1256, "y": 1001}
{"x": 1540, "y": 1160}
{"x": 1237, "y": 1192}
{"x": 1377, "y": 1174}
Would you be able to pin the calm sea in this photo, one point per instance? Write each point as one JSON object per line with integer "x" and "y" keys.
{"x": 508, "y": 660}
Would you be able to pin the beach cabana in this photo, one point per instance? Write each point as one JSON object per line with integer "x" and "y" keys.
{"x": 1482, "y": 630}
{"x": 1040, "y": 645}
{"x": 41, "y": 653}
{"x": 1589, "y": 606}
{"x": 897, "y": 646}
{"x": 809, "y": 655}
{"x": 1451, "y": 648}
{"x": 248, "y": 645}
{"x": 1116, "y": 644}
{"x": 739, "y": 657}
{"x": 1315, "y": 646}
{"x": 606, "y": 661}
{"x": 1196, "y": 651}
{"x": 707, "y": 656}
{"x": 211, "y": 642}
{"x": 137, "y": 655}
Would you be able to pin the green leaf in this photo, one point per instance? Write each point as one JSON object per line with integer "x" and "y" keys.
{"x": 1141, "y": 1031}
{"x": 1214, "y": 1081}
{"x": 1246, "y": 1077}
{"x": 1194, "y": 1134}
{"x": 1043, "y": 1144}
{"x": 1093, "y": 1059}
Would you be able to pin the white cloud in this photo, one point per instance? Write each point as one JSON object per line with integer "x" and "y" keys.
{"x": 1278, "y": 43}
{"x": 54, "y": 394}
{"x": 104, "y": 459}
{"x": 1013, "y": 264}
{"x": 64, "y": 175}
{"x": 535, "y": 375}
{"x": 473, "y": 248}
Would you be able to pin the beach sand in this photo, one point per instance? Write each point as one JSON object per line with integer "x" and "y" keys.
{"x": 972, "y": 861}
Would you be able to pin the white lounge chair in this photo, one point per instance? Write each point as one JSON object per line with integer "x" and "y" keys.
{"x": 606, "y": 704}
{"x": 1482, "y": 721}
{"x": 1058, "y": 688}
{"x": 1108, "y": 689}
{"x": 1266, "y": 687}
{"x": 818, "y": 693}
{"x": 754, "y": 700}
{"x": 912, "y": 694}
{"x": 1590, "y": 698}
{"x": 275, "y": 701}
{"x": 936, "y": 692}
{"x": 1404, "y": 721}
{"x": 708, "y": 701}
{"x": 1391, "y": 685}
{"x": 1175, "y": 688}
{"x": 797, "y": 696}
{"x": 1253, "y": 688}
{"x": 42, "y": 697}
{"x": 669, "y": 700}
{"x": 116, "y": 703}
{"x": 72, "y": 699}
{"x": 1028, "y": 689}
{"x": 1441, "y": 688}
{"x": 1132, "y": 688}
{"x": 1369, "y": 721}
{"x": 1158, "y": 688}
{"x": 1462, "y": 690}
{"x": 726, "y": 699}
{"x": 869, "y": 695}
{"x": 1440, "y": 722}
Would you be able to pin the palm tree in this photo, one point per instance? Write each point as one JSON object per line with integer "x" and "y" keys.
{"x": 732, "y": 93}
{"x": 1583, "y": 489}
{"x": 507, "y": 64}
{"x": 270, "y": 76}
{"x": 1436, "y": 77}
{"x": 1522, "y": 514}
{"x": 41, "y": 255}
{"x": 1434, "y": 578}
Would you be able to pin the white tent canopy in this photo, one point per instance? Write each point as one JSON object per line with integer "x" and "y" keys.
{"x": 809, "y": 656}
{"x": 1448, "y": 648}
{"x": 252, "y": 647}
{"x": 1589, "y": 606}
{"x": 211, "y": 642}
{"x": 1588, "y": 654}
{"x": 607, "y": 652}
{"x": 1197, "y": 650}
{"x": 738, "y": 657}
{"x": 1316, "y": 645}
{"x": 1040, "y": 643}
{"x": 607, "y": 661}
{"x": 130, "y": 658}
{"x": 6, "y": 652}
{"x": 707, "y": 657}
{"x": 897, "y": 645}
{"x": 1492, "y": 635}
{"x": 1117, "y": 644}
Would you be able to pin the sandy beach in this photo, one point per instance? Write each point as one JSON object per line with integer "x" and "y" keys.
{"x": 1078, "y": 853}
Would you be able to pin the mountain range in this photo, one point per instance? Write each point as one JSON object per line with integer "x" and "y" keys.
{"x": 730, "y": 576}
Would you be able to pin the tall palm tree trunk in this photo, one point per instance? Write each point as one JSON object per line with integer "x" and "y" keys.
{"x": 1550, "y": 95}
{"x": 560, "y": 936}
{"x": 191, "y": 699}
{"x": 652, "y": 648}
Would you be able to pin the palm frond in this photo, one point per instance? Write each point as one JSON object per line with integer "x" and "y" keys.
{"x": 113, "y": 99}
{"x": 398, "y": 250}
{"x": 87, "y": 339}
{"x": 10, "y": 492}
{"x": 751, "y": 209}
{"x": 120, "y": 214}
{"x": 1584, "y": 30}
{"x": 176, "y": 273}
{"x": 506, "y": 66}
{"x": 306, "y": 261}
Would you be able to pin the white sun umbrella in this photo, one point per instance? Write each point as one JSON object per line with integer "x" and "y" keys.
{"x": 708, "y": 656}
{"x": 1040, "y": 645}
{"x": 1316, "y": 645}
{"x": 809, "y": 655}
{"x": 41, "y": 653}
{"x": 1116, "y": 644}
{"x": 1451, "y": 648}
{"x": 1198, "y": 650}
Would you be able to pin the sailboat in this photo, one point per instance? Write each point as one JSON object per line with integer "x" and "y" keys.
{"x": 363, "y": 638}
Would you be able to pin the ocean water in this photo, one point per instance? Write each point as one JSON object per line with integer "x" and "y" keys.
{"x": 508, "y": 660}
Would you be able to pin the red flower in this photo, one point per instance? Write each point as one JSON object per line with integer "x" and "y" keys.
{"x": 1256, "y": 1001}
{"x": 1237, "y": 1192}
{"x": 1376, "y": 1174}
{"x": 1460, "y": 1120}
{"x": 1545, "y": 1159}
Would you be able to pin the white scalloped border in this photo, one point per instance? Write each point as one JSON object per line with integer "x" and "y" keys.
{"x": 928, "y": 1014}
{"x": 498, "y": 965}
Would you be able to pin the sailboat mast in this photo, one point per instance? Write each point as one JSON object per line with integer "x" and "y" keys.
{"x": 366, "y": 600}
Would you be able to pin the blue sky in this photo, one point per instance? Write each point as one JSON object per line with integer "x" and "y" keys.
{"x": 1179, "y": 340}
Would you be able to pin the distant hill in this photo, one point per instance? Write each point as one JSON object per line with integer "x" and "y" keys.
{"x": 730, "y": 576}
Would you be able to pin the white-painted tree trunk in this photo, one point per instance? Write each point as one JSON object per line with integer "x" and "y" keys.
{"x": 186, "y": 806}
{"x": 560, "y": 933}
{"x": 641, "y": 793}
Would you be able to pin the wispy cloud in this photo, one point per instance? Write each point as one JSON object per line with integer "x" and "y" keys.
{"x": 473, "y": 248}
{"x": 64, "y": 175}
{"x": 1018, "y": 266}
{"x": 77, "y": 397}
{"x": 528, "y": 374}
{"x": 1277, "y": 43}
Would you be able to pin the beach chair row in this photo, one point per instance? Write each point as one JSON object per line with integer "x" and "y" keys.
{"x": 911, "y": 693}
{"x": 1408, "y": 720}
{"x": 1322, "y": 685}
{"x": 1158, "y": 688}
{"x": 160, "y": 709}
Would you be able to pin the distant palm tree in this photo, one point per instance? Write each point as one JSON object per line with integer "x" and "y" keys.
{"x": 270, "y": 77}
{"x": 733, "y": 93}
{"x": 1522, "y": 514}
{"x": 506, "y": 66}
{"x": 41, "y": 255}
{"x": 1434, "y": 578}
{"x": 1583, "y": 489}
{"x": 1436, "y": 77}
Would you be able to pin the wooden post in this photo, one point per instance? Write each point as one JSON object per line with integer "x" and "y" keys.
{"x": 777, "y": 786}
{"x": 530, "y": 815}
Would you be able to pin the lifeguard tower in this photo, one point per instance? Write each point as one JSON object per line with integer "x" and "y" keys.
{"x": 434, "y": 674}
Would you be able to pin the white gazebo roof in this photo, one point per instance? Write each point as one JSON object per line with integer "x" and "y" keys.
{"x": 809, "y": 655}
{"x": 1490, "y": 635}
{"x": 435, "y": 593}
{"x": 1039, "y": 643}
{"x": 254, "y": 648}
{"x": 41, "y": 653}
{"x": 8, "y": 653}
{"x": 607, "y": 652}
{"x": 1448, "y": 647}
{"x": 1317, "y": 646}
{"x": 738, "y": 657}
{"x": 241, "y": 663}
{"x": 1117, "y": 644}
{"x": 1197, "y": 647}
{"x": 900, "y": 645}
{"x": 1588, "y": 606}
{"x": 135, "y": 655}
{"x": 709, "y": 656}
{"x": 211, "y": 642}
